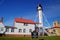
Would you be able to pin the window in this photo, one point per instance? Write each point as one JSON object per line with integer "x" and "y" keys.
{"x": 12, "y": 30}
{"x": 7, "y": 29}
{"x": 2, "y": 29}
{"x": 25, "y": 24}
{"x": 51, "y": 32}
{"x": 41, "y": 29}
{"x": 30, "y": 30}
{"x": 20, "y": 30}
{"x": 54, "y": 30}
{"x": 24, "y": 30}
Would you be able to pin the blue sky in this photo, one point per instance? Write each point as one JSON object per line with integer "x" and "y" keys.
{"x": 27, "y": 9}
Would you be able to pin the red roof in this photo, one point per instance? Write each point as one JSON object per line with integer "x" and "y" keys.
{"x": 56, "y": 27}
{"x": 21, "y": 20}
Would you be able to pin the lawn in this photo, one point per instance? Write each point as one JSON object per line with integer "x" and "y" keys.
{"x": 28, "y": 38}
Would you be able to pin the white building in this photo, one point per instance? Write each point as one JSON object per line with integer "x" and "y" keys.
{"x": 22, "y": 27}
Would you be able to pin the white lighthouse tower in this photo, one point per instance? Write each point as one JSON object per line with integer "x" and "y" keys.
{"x": 40, "y": 26}
{"x": 40, "y": 15}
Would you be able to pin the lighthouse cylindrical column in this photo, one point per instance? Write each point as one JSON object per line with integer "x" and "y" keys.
{"x": 40, "y": 15}
{"x": 40, "y": 20}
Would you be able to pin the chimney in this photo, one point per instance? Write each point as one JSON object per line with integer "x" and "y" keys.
{"x": 1, "y": 19}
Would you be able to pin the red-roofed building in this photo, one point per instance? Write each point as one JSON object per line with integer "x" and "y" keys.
{"x": 55, "y": 29}
{"x": 22, "y": 27}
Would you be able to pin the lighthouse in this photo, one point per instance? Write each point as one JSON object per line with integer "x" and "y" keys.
{"x": 40, "y": 26}
{"x": 39, "y": 8}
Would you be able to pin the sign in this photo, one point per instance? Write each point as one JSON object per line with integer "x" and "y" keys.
{"x": 34, "y": 34}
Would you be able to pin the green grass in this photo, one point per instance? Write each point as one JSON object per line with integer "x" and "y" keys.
{"x": 28, "y": 38}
